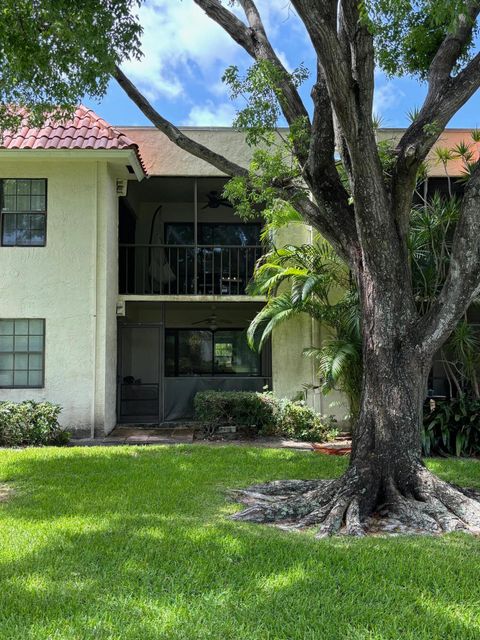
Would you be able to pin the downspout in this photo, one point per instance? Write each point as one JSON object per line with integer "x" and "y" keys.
{"x": 195, "y": 236}
{"x": 94, "y": 317}
{"x": 312, "y": 340}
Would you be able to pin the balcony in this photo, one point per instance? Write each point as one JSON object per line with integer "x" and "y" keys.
{"x": 202, "y": 269}
{"x": 178, "y": 236}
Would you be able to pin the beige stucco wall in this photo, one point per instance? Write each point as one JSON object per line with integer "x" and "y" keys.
{"x": 294, "y": 373}
{"x": 162, "y": 157}
{"x": 59, "y": 282}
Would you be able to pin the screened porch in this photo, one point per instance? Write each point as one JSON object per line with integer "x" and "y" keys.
{"x": 167, "y": 352}
{"x": 180, "y": 236}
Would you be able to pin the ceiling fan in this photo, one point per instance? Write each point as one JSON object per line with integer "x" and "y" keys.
{"x": 212, "y": 321}
{"x": 215, "y": 200}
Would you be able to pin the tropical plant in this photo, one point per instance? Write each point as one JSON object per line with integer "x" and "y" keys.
{"x": 453, "y": 428}
{"x": 432, "y": 223}
{"x": 311, "y": 279}
{"x": 461, "y": 360}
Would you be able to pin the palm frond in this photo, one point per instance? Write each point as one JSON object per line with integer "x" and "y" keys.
{"x": 277, "y": 311}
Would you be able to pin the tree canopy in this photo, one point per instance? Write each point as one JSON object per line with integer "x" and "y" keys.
{"x": 54, "y": 52}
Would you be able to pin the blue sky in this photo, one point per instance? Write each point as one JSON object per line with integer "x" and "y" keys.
{"x": 185, "y": 54}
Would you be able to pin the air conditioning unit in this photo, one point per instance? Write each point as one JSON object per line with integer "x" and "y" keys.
{"x": 122, "y": 187}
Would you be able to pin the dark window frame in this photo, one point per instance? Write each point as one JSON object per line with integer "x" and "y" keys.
{"x": 23, "y": 213}
{"x": 26, "y": 353}
{"x": 212, "y": 373}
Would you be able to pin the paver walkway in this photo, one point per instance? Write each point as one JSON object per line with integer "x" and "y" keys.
{"x": 184, "y": 434}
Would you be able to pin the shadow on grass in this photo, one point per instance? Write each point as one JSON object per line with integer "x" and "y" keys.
{"x": 135, "y": 543}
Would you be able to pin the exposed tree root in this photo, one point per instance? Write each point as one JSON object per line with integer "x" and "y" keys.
{"x": 429, "y": 506}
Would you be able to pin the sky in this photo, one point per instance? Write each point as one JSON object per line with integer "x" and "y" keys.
{"x": 186, "y": 53}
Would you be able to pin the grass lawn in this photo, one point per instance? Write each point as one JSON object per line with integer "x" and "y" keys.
{"x": 135, "y": 543}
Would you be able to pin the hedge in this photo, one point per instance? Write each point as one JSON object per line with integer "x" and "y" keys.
{"x": 30, "y": 423}
{"x": 263, "y": 412}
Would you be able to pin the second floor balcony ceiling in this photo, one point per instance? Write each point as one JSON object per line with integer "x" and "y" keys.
{"x": 179, "y": 236}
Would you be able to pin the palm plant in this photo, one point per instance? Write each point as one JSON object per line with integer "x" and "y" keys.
{"x": 461, "y": 359}
{"x": 431, "y": 230}
{"x": 311, "y": 279}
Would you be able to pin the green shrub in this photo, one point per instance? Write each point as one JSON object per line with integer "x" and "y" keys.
{"x": 240, "y": 408}
{"x": 30, "y": 423}
{"x": 298, "y": 421}
{"x": 262, "y": 411}
{"x": 453, "y": 428}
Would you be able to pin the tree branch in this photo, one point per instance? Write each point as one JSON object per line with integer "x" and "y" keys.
{"x": 320, "y": 18}
{"x": 256, "y": 43}
{"x": 321, "y": 172}
{"x": 446, "y": 95}
{"x": 324, "y": 217}
{"x": 173, "y": 133}
{"x": 453, "y": 46}
{"x": 345, "y": 52}
{"x": 441, "y": 104}
{"x": 462, "y": 284}
{"x": 344, "y": 48}
{"x": 357, "y": 43}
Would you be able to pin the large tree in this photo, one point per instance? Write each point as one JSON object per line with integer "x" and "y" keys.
{"x": 367, "y": 222}
{"x": 362, "y": 210}
{"x": 366, "y": 219}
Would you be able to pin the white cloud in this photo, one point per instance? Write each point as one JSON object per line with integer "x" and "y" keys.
{"x": 181, "y": 45}
{"x": 212, "y": 115}
{"x": 177, "y": 36}
{"x": 386, "y": 96}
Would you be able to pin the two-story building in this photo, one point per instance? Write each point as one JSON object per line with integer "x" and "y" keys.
{"x": 123, "y": 275}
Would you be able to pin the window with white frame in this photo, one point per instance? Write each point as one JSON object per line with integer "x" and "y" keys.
{"x": 22, "y": 353}
{"x": 23, "y": 212}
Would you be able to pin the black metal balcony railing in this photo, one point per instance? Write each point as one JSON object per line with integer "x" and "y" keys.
{"x": 186, "y": 269}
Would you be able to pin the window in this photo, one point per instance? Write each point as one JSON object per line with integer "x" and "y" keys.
{"x": 22, "y": 349}
{"x": 23, "y": 212}
{"x": 188, "y": 353}
{"x": 233, "y": 356}
{"x": 193, "y": 352}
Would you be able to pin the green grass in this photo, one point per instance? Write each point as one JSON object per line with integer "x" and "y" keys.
{"x": 135, "y": 543}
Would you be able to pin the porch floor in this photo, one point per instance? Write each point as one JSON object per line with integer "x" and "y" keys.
{"x": 132, "y": 434}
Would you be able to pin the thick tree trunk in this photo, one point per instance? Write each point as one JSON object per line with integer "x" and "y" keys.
{"x": 387, "y": 438}
{"x": 386, "y": 486}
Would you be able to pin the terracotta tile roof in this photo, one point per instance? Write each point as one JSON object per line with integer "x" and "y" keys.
{"x": 86, "y": 130}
